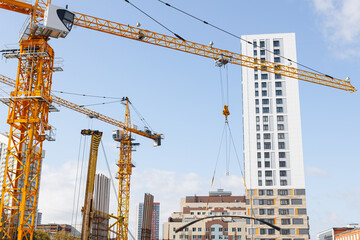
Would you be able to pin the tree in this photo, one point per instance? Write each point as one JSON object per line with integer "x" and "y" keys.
{"x": 41, "y": 235}
{"x": 62, "y": 235}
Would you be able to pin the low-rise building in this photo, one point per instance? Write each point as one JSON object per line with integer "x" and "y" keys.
{"x": 219, "y": 203}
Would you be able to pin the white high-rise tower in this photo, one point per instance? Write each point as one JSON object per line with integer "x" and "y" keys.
{"x": 274, "y": 168}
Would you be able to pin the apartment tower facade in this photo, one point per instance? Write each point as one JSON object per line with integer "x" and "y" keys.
{"x": 273, "y": 155}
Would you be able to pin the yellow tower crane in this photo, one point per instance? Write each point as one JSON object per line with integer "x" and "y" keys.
{"x": 28, "y": 110}
{"x": 125, "y": 159}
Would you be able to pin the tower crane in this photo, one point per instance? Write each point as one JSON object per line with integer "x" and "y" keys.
{"x": 29, "y": 108}
{"x": 125, "y": 164}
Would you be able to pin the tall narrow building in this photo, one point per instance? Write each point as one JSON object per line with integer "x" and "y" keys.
{"x": 154, "y": 220}
{"x": 273, "y": 155}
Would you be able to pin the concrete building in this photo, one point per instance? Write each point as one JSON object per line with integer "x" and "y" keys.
{"x": 273, "y": 155}
{"x": 54, "y": 228}
{"x": 352, "y": 231}
{"x": 154, "y": 221}
{"x": 218, "y": 203}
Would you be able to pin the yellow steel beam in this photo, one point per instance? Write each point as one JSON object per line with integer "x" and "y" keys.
{"x": 111, "y": 27}
{"x": 88, "y": 112}
{"x": 158, "y": 39}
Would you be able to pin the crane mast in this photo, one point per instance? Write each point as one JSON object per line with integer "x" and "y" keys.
{"x": 125, "y": 166}
{"x": 90, "y": 182}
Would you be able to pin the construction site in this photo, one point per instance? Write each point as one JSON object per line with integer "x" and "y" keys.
{"x": 114, "y": 114}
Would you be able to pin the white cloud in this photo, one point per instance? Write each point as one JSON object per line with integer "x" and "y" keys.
{"x": 316, "y": 172}
{"x": 340, "y": 21}
{"x": 56, "y": 193}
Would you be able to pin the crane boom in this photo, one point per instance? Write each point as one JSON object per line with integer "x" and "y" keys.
{"x": 90, "y": 113}
{"x": 217, "y": 54}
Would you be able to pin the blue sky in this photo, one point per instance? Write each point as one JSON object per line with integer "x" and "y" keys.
{"x": 179, "y": 95}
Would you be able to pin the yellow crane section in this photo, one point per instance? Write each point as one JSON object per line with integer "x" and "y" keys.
{"x": 217, "y": 54}
{"x": 125, "y": 159}
{"x": 90, "y": 182}
{"x": 92, "y": 114}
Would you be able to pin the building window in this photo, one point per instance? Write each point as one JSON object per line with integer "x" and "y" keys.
{"x": 258, "y": 136}
{"x": 278, "y": 93}
{"x": 258, "y": 146}
{"x": 276, "y": 59}
{"x": 259, "y": 173}
{"x": 285, "y": 221}
{"x": 279, "y": 109}
{"x": 270, "y": 192}
{"x": 207, "y": 229}
{"x": 264, "y": 93}
{"x": 265, "y": 118}
{"x": 266, "y": 127}
{"x": 255, "y": 44}
{"x": 261, "y": 192}
{"x": 256, "y": 85}
{"x": 265, "y": 101}
{"x": 284, "y": 202}
{"x": 270, "y": 211}
{"x": 270, "y": 230}
{"x": 298, "y": 221}
{"x": 256, "y": 93}
{"x": 281, "y": 135}
{"x": 213, "y": 229}
{"x": 276, "y": 43}
{"x": 267, "y": 145}
{"x": 301, "y": 211}
{"x": 278, "y": 76}
{"x": 263, "y": 231}
{"x": 281, "y": 145}
{"x": 262, "y": 52}
{"x": 267, "y": 155}
{"x": 257, "y": 110}
{"x": 266, "y": 135}
{"x": 194, "y": 229}
{"x": 277, "y": 51}
{"x": 282, "y": 164}
{"x": 262, "y": 43}
{"x": 280, "y": 127}
{"x": 263, "y": 84}
{"x": 233, "y": 229}
{"x": 260, "y": 182}
{"x": 299, "y": 191}
{"x": 256, "y": 77}
{"x": 282, "y": 173}
{"x": 262, "y": 211}
{"x": 281, "y": 155}
{"x": 279, "y": 101}
{"x": 239, "y": 229}
{"x": 266, "y": 110}
{"x": 296, "y": 201}
{"x": 283, "y": 192}
{"x": 280, "y": 118}
{"x": 255, "y": 52}
{"x": 256, "y": 101}
{"x": 267, "y": 164}
{"x": 284, "y": 211}
{"x": 268, "y": 182}
{"x": 259, "y": 154}
{"x": 259, "y": 164}
{"x": 268, "y": 173}
{"x": 264, "y": 76}
{"x": 283, "y": 183}
{"x": 277, "y": 84}
{"x": 257, "y": 119}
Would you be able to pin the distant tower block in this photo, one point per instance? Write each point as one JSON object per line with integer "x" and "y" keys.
{"x": 101, "y": 207}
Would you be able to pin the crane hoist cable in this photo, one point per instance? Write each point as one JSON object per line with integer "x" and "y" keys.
{"x": 76, "y": 179}
{"x": 148, "y": 15}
